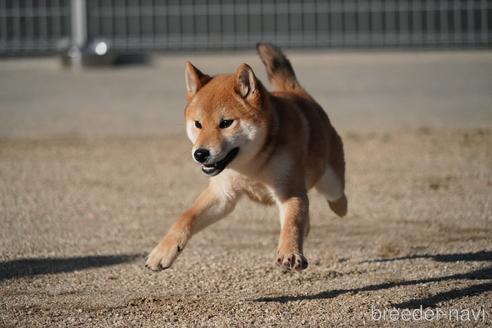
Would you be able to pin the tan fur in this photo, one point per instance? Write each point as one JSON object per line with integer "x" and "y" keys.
{"x": 286, "y": 143}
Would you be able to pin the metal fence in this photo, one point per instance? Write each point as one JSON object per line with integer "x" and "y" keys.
{"x": 34, "y": 26}
{"x": 44, "y": 26}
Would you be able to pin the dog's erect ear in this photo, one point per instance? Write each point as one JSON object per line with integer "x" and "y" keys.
{"x": 246, "y": 82}
{"x": 194, "y": 79}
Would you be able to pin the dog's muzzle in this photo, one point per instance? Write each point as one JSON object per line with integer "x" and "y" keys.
{"x": 217, "y": 167}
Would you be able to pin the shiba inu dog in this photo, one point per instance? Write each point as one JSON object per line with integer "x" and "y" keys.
{"x": 269, "y": 146}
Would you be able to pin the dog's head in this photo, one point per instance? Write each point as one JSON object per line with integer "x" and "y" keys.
{"x": 226, "y": 118}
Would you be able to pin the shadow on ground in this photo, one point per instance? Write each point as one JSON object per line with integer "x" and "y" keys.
{"x": 431, "y": 301}
{"x": 36, "y": 266}
{"x": 478, "y": 256}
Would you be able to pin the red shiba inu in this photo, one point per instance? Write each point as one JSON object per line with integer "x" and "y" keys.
{"x": 269, "y": 146}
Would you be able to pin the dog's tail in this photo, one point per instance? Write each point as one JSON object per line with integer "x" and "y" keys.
{"x": 279, "y": 70}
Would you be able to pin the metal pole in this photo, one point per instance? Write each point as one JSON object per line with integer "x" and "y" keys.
{"x": 79, "y": 30}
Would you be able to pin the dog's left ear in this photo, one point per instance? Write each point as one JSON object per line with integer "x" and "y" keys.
{"x": 194, "y": 80}
{"x": 246, "y": 82}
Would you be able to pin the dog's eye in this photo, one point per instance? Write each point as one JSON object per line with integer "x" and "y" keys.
{"x": 198, "y": 125}
{"x": 225, "y": 123}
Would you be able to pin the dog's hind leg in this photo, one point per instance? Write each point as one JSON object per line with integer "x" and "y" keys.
{"x": 331, "y": 186}
{"x": 332, "y": 182}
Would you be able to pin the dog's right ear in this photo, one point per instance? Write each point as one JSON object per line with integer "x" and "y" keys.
{"x": 194, "y": 80}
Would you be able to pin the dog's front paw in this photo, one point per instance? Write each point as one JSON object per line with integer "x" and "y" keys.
{"x": 291, "y": 260}
{"x": 163, "y": 256}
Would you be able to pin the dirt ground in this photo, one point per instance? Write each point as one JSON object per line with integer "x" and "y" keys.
{"x": 82, "y": 201}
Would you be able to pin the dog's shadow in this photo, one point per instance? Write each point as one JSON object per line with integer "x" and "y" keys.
{"x": 431, "y": 301}
{"x": 35, "y": 266}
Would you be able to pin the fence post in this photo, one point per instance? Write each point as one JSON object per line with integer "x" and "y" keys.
{"x": 79, "y": 30}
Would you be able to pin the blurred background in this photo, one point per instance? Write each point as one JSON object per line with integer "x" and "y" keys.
{"x": 370, "y": 63}
{"x": 47, "y": 27}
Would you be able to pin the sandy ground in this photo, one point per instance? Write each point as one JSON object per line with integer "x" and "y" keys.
{"x": 88, "y": 185}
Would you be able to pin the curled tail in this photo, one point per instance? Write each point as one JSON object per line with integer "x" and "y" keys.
{"x": 279, "y": 70}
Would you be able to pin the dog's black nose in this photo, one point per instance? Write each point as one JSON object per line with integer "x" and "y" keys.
{"x": 201, "y": 155}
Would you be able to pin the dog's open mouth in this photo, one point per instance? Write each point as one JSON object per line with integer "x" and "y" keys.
{"x": 217, "y": 167}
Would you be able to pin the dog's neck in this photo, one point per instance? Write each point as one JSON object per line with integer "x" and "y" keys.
{"x": 256, "y": 164}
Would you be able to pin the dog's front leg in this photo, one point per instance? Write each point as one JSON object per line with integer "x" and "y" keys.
{"x": 212, "y": 205}
{"x": 294, "y": 217}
